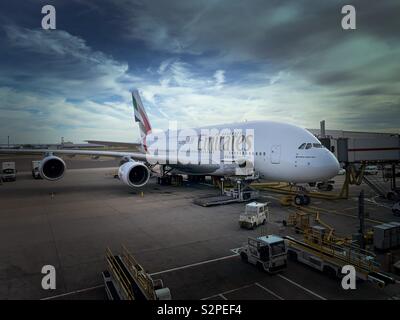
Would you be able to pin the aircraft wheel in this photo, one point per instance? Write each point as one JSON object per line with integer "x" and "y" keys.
{"x": 299, "y": 200}
{"x": 306, "y": 200}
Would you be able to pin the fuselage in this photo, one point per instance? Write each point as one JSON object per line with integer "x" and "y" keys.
{"x": 276, "y": 151}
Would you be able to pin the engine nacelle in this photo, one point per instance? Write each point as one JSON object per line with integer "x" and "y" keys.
{"x": 52, "y": 168}
{"x": 134, "y": 174}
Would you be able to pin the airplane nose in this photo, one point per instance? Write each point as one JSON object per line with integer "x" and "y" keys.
{"x": 331, "y": 164}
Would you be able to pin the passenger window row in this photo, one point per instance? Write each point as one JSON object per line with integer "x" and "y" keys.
{"x": 240, "y": 152}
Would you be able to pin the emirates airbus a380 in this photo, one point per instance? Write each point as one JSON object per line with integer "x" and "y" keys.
{"x": 270, "y": 150}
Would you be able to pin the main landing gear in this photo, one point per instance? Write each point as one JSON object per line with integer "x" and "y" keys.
{"x": 302, "y": 199}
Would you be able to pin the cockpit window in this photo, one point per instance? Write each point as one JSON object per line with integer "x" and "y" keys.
{"x": 310, "y": 145}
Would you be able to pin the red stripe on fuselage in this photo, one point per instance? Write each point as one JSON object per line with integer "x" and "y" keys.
{"x": 374, "y": 149}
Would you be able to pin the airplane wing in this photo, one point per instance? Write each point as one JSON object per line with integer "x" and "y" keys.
{"x": 114, "y": 154}
{"x": 133, "y": 146}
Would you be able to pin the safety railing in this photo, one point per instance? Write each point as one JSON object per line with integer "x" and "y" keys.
{"x": 348, "y": 253}
{"x": 143, "y": 279}
{"x": 119, "y": 276}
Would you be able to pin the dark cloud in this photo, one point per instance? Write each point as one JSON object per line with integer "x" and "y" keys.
{"x": 256, "y": 29}
{"x": 376, "y": 117}
{"x": 285, "y": 59}
{"x": 304, "y": 38}
{"x": 56, "y": 63}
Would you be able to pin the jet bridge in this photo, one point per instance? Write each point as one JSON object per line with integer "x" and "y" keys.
{"x": 381, "y": 149}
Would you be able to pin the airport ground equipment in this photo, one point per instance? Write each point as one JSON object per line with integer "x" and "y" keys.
{"x": 371, "y": 170}
{"x": 323, "y": 250}
{"x": 361, "y": 219}
{"x": 396, "y": 209}
{"x": 330, "y": 256}
{"x": 240, "y": 192}
{"x": 255, "y": 214}
{"x": 36, "y": 169}
{"x": 8, "y": 171}
{"x": 387, "y": 235}
{"x": 380, "y": 187}
{"x": 301, "y": 196}
{"x": 268, "y": 253}
{"x": 125, "y": 279}
{"x": 303, "y": 218}
{"x": 355, "y": 175}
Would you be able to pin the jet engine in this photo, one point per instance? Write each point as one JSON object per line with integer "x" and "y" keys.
{"x": 134, "y": 174}
{"x": 52, "y": 168}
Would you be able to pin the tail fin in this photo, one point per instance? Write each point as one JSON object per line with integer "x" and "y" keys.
{"x": 140, "y": 115}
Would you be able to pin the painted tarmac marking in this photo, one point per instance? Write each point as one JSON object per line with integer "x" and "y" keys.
{"x": 269, "y": 291}
{"x": 73, "y": 292}
{"x": 152, "y": 274}
{"x": 236, "y": 250}
{"x": 350, "y": 208}
{"x": 193, "y": 265}
{"x": 300, "y": 286}
{"x": 229, "y": 291}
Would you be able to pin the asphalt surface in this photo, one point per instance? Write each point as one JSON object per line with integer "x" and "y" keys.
{"x": 70, "y": 223}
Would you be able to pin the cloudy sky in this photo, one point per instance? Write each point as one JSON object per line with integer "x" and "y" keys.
{"x": 198, "y": 62}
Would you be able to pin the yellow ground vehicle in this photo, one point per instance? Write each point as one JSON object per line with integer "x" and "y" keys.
{"x": 330, "y": 256}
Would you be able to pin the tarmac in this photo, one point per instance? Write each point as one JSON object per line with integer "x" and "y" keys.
{"x": 70, "y": 223}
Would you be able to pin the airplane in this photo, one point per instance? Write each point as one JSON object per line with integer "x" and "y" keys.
{"x": 278, "y": 152}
